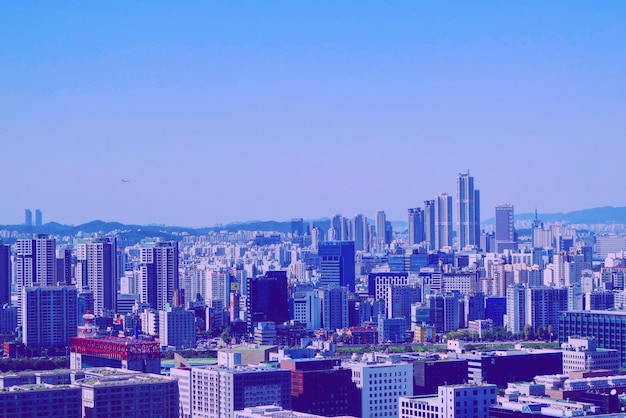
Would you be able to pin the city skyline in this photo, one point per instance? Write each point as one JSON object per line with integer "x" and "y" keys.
{"x": 197, "y": 115}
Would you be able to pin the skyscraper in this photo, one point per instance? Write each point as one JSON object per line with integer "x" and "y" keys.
{"x": 35, "y": 264}
{"x": 416, "y": 226}
{"x": 429, "y": 224}
{"x": 337, "y": 264}
{"x": 267, "y": 298}
{"x": 28, "y": 217}
{"x": 96, "y": 270}
{"x": 49, "y": 316}
{"x": 443, "y": 221}
{"x": 297, "y": 227}
{"x": 5, "y": 274}
{"x": 381, "y": 220}
{"x": 38, "y": 218}
{"x": 467, "y": 211}
{"x": 159, "y": 272}
{"x": 340, "y": 226}
{"x": 360, "y": 233}
{"x": 505, "y": 231}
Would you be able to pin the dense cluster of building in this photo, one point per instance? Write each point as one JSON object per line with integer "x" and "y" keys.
{"x": 113, "y": 305}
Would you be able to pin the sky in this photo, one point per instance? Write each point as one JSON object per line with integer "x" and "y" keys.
{"x": 216, "y": 112}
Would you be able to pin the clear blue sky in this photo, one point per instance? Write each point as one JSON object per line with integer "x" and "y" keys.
{"x": 232, "y": 111}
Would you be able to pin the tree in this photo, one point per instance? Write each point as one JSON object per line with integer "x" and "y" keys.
{"x": 528, "y": 332}
{"x": 227, "y": 335}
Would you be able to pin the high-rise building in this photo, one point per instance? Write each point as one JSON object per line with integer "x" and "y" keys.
{"x": 177, "y": 328}
{"x": 361, "y": 233}
{"x": 505, "y": 230}
{"x": 96, "y": 270}
{"x": 381, "y": 222}
{"x": 443, "y": 221}
{"x": 267, "y": 298}
{"x": 159, "y": 272}
{"x": 467, "y": 211}
{"x": 297, "y": 227}
{"x": 334, "y": 301}
{"x": 35, "y": 264}
{"x": 341, "y": 229}
{"x": 430, "y": 231}
{"x": 5, "y": 274}
{"x": 64, "y": 265}
{"x": 28, "y": 217}
{"x": 543, "y": 305}
{"x": 337, "y": 264}
{"x": 38, "y": 218}
{"x": 416, "y": 226}
{"x": 49, "y": 316}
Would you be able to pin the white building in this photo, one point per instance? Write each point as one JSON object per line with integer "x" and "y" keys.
{"x": 582, "y": 353}
{"x": 452, "y": 401}
{"x": 381, "y": 384}
{"x": 219, "y": 391}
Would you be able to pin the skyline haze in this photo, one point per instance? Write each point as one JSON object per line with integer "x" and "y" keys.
{"x": 221, "y": 113}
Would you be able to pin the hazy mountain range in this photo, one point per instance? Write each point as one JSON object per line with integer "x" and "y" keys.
{"x": 133, "y": 233}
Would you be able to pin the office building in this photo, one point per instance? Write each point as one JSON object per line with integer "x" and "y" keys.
{"x": 505, "y": 229}
{"x": 399, "y": 300}
{"x": 219, "y": 391}
{"x": 96, "y": 271}
{"x": 373, "y": 379}
{"x": 322, "y": 387}
{"x": 392, "y": 330}
{"x": 607, "y": 327}
{"x": 116, "y": 393}
{"x": 377, "y": 283}
{"x": 5, "y": 274}
{"x": 177, "y": 328}
{"x": 452, "y": 401}
{"x": 267, "y": 299}
{"x": 334, "y": 302}
{"x": 41, "y": 400}
{"x": 467, "y": 211}
{"x": 443, "y": 221}
{"x": 511, "y": 366}
{"x": 49, "y": 316}
{"x": 35, "y": 264}
{"x": 429, "y": 374}
{"x": 159, "y": 272}
{"x": 38, "y": 218}
{"x": 416, "y": 226}
{"x": 582, "y": 353}
{"x": 337, "y": 264}
{"x": 307, "y": 307}
{"x": 360, "y": 233}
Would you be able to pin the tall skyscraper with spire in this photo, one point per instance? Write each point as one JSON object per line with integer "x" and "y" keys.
{"x": 467, "y": 211}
